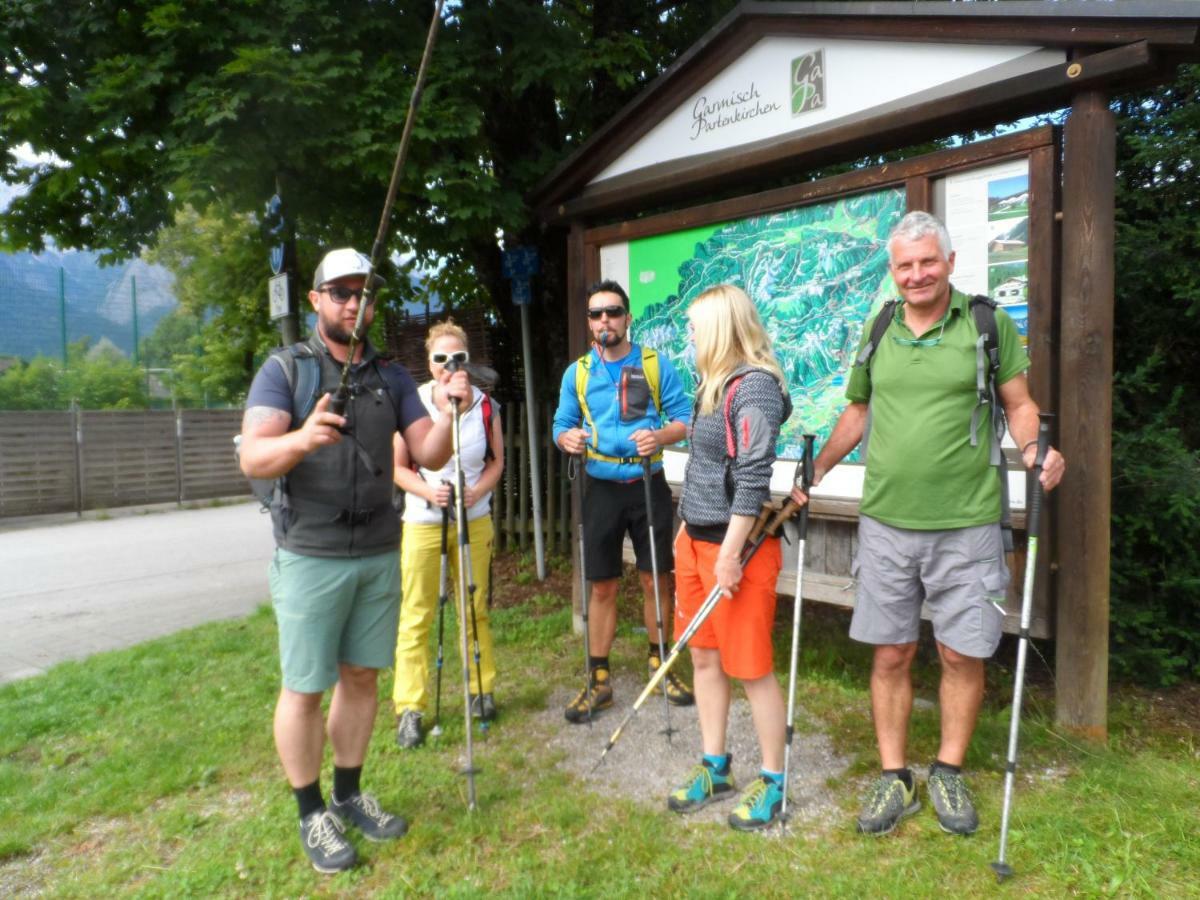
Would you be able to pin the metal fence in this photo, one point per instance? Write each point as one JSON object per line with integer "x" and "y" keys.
{"x": 86, "y": 459}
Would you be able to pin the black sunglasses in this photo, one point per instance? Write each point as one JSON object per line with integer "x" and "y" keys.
{"x": 614, "y": 312}
{"x": 439, "y": 358}
{"x": 340, "y": 295}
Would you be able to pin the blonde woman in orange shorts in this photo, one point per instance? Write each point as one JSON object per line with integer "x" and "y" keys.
{"x": 741, "y": 403}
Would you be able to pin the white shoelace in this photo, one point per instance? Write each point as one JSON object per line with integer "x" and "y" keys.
{"x": 326, "y": 834}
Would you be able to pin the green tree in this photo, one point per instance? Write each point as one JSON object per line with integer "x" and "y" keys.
{"x": 36, "y": 384}
{"x": 96, "y": 378}
{"x": 153, "y": 106}
{"x": 1155, "y": 608}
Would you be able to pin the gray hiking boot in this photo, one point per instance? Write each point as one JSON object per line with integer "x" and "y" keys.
{"x": 325, "y": 844}
{"x": 889, "y": 802}
{"x": 364, "y": 813}
{"x": 483, "y": 706}
{"x": 952, "y": 802}
{"x": 408, "y": 730}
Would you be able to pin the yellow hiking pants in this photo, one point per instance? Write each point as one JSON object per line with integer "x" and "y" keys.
{"x": 420, "y": 563}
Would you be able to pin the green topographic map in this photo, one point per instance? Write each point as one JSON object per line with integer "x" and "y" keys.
{"x": 815, "y": 273}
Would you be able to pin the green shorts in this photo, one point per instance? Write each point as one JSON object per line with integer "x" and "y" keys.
{"x": 333, "y": 610}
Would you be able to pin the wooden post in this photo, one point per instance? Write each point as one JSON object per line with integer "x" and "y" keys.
{"x": 1085, "y": 423}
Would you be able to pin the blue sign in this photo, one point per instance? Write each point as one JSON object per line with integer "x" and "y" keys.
{"x": 277, "y": 259}
{"x": 520, "y": 263}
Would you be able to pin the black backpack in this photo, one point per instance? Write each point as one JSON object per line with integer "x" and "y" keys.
{"x": 987, "y": 367}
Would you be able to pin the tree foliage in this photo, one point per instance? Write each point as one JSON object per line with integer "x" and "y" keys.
{"x": 153, "y": 106}
{"x": 1155, "y": 605}
{"x": 96, "y": 378}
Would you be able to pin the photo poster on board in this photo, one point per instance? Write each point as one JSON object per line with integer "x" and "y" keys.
{"x": 815, "y": 273}
{"x": 986, "y": 211}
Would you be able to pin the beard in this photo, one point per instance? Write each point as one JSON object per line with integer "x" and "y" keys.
{"x": 338, "y": 332}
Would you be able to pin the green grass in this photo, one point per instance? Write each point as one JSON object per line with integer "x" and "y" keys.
{"x": 151, "y": 772}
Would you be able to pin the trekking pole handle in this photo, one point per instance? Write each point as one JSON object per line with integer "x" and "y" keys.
{"x": 807, "y": 474}
{"x": 1045, "y": 423}
{"x": 1034, "y": 517}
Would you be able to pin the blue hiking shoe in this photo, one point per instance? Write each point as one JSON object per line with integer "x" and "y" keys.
{"x": 703, "y": 786}
{"x": 758, "y": 807}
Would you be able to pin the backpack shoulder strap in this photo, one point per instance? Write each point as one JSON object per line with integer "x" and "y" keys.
{"x": 488, "y": 411}
{"x": 303, "y": 372}
{"x": 653, "y": 373}
{"x": 879, "y": 327}
{"x": 583, "y": 370}
{"x": 730, "y": 437}
{"x": 987, "y": 368}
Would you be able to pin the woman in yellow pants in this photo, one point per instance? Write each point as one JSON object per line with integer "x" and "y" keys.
{"x": 427, "y": 494}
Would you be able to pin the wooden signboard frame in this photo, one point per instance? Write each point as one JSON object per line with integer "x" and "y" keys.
{"x": 1040, "y": 147}
{"x": 1107, "y": 47}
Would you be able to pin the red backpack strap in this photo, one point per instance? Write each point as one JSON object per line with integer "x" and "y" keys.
{"x": 730, "y": 439}
{"x": 485, "y": 407}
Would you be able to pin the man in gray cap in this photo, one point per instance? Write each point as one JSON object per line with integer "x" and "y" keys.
{"x": 335, "y": 576}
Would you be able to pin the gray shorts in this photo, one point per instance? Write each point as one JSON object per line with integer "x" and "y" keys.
{"x": 959, "y": 573}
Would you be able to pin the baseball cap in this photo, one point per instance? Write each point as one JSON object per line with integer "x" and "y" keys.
{"x": 340, "y": 263}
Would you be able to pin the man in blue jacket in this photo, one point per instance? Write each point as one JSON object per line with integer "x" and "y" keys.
{"x": 625, "y": 404}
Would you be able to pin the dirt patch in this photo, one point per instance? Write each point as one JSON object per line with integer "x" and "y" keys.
{"x": 514, "y": 579}
{"x": 645, "y": 768}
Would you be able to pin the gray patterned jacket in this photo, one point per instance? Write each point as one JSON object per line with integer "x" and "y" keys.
{"x": 757, "y": 411}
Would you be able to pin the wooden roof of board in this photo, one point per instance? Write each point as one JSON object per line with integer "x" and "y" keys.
{"x": 1106, "y": 46}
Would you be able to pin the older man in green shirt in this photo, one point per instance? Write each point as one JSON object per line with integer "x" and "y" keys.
{"x": 929, "y": 524}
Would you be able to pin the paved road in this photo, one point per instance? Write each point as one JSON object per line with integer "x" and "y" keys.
{"x": 71, "y": 588}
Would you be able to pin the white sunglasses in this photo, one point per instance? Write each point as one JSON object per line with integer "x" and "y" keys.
{"x": 440, "y": 358}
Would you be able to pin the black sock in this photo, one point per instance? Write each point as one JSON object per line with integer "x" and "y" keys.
{"x": 654, "y": 649}
{"x": 597, "y": 662}
{"x": 945, "y": 767}
{"x": 345, "y": 782}
{"x": 905, "y": 775}
{"x": 309, "y": 798}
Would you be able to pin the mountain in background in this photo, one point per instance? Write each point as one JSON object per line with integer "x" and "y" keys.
{"x": 99, "y": 301}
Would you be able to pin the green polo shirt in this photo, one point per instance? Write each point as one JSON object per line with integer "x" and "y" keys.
{"x": 922, "y": 472}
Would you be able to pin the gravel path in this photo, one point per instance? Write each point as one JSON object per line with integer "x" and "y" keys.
{"x": 644, "y": 768}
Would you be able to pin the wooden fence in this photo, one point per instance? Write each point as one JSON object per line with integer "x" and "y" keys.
{"x": 87, "y": 459}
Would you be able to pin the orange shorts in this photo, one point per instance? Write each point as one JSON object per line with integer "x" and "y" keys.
{"x": 740, "y": 626}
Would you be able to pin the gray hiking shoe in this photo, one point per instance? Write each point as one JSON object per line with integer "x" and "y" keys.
{"x": 325, "y": 844}
{"x": 952, "y": 802}
{"x": 364, "y": 813}
{"x": 483, "y": 706}
{"x": 889, "y": 802}
{"x": 408, "y": 730}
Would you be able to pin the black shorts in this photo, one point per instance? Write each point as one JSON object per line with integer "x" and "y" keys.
{"x": 613, "y": 509}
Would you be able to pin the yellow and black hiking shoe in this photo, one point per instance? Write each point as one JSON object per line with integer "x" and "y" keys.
{"x": 678, "y": 693}
{"x": 601, "y": 693}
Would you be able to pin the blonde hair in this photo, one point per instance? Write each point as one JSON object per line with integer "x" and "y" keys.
{"x": 729, "y": 334}
{"x": 449, "y": 328}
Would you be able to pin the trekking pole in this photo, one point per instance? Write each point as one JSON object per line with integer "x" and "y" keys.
{"x": 805, "y": 471}
{"x": 464, "y": 566}
{"x": 1033, "y": 522}
{"x": 581, "y": 472}
{"x": 765, "y": 526}
{"x": 658, "y": 616}
{"x": 342, "y": 395}
{"x": 443, "y": 599}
